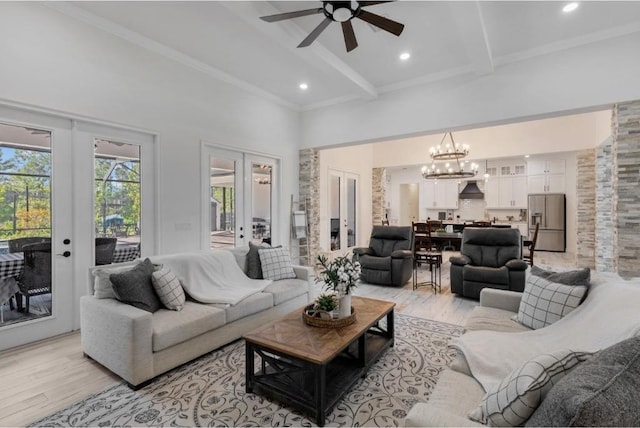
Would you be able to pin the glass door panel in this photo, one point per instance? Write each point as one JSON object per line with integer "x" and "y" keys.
{"x": 343, "y": 214}
{"x": 225, "y": 206}
{"x": 117, "y": 201}
{"x": 35, "y": 230}
{"x": 261, "y": 202}
{"x": 351, "y": 205}
{"x": 335, "y": 190}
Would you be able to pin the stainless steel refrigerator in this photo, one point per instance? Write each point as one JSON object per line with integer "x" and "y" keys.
{"x": 548, "y": 209}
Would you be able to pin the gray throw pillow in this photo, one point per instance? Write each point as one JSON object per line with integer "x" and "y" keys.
{"x": 574, "y": 277}
{"x": 254, "y": 269}
{"x": 135, "y": 288}
{"x": 254, "y": 266}
{"x": 602, "y": 391}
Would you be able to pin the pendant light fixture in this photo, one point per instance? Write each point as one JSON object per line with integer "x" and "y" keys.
{"x": 451, "y": 152}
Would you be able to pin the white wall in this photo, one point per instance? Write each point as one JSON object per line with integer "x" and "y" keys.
{"x": 53, "y": 61}
{"x": 581, "y": 78}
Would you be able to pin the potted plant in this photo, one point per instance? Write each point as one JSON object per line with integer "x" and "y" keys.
{"x": 324, "y": 306}
{"x": 340, "y": 275}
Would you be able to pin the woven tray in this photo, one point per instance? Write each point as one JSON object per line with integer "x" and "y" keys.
{"x": 334, "y": 323}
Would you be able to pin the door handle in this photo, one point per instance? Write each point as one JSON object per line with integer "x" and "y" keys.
{"x": 65, "y": 254}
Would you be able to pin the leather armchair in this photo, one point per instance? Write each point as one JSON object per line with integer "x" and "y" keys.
{"x": 490, "y": 257}
{"x": 389, "y": 258}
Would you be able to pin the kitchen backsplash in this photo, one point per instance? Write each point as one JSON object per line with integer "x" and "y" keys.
{"x": 474, "y": 209}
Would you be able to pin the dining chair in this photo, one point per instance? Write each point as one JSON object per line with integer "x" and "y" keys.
{"x": 422, "y": 236}
{"x": 105, "y": 247}
{"x": 528, "y": 251}
{"x": 481, "y": 223}
{"x": 385, "y": 222}
{"x": 36, "y": 276}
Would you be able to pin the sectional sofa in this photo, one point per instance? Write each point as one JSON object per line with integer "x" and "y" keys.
{"x": 604, "y": 334}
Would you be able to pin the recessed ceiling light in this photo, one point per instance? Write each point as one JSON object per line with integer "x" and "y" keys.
{"x": 526, "y": 156}
{"x": 405, "y": 56}
{"x": 303, "y": 86}
{"x": 570, "y": 7}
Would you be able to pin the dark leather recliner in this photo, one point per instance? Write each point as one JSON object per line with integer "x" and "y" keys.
{"x": 490, "y": 257}
{"x": 389, "y": 258}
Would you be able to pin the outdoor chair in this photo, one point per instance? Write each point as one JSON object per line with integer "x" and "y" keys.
{"x": 489, "y": 257}
{"x": 36, "y": 277}
{"x": 104, "y": 250}
{"x": 16, "y": 245}
{"x": 389, "y": 258}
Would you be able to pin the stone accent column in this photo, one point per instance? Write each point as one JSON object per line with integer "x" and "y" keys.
{"x": 309, "y": 190}
{"x": 586, "y": 204}
{"x": 605, "y": 224}
{"x": 626, "y": 142}
{"x": 378, "y": 195}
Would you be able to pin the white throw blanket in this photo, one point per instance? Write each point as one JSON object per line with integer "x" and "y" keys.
{"x": 212, "y": 276}
{"x": 609, "y": 314}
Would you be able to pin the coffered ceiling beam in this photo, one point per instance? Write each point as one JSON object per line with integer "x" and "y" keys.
{"x": 473, "y": 32}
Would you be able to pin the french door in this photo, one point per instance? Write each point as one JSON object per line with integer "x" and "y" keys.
{"x": 239, "y": 194}
{"x": 343, "y": 210}
{"x": 47, "y": 194}
{"x": 37, "y": 193}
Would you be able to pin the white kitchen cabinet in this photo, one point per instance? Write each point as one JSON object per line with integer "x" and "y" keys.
{"x": 506, "y": 192}
{"x": 492, "y": 192}
{"x": 546, "y": 176}
{"x": 441, "y": 194}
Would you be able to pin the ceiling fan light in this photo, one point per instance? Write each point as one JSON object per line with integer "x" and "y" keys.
{"x": 342, "y": 14}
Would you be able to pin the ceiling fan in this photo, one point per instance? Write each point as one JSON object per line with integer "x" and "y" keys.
{"x": 342, "y": 12}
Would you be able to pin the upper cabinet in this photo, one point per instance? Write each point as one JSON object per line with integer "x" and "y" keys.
{"x": 546, "y": 176}
{"x": 507, "y": 179}
{"x": 441, "y": 194}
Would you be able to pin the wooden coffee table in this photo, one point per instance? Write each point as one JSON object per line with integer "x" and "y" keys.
{"x": 311, "y": 368}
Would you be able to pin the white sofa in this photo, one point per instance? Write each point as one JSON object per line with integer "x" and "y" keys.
{"x": 608, "y": 315}
{"x": 138, "y": 345}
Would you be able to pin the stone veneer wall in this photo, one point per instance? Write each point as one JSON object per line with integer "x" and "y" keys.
{"x": 586, "y": 204}
{"x": 309, "y": 189}
{"x": 626, "y": 154}
{"x": 605, "y": 223}
{"x": 378, "y": 195}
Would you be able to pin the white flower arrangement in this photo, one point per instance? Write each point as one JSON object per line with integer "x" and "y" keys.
{"x": 340, "y": 275}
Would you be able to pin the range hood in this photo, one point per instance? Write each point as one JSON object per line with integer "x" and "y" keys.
{"x": 471, "y": 191}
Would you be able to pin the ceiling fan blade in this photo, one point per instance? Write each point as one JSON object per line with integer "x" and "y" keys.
{"x": 386, "y": 24}
{"x": 315, "y": 33}
{"x": 373, "y": 3}
{"x": 349, "y": 36}
{"x": 289, "y": 15}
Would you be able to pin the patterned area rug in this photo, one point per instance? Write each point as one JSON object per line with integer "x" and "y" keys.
{"x": 210, "y": 390}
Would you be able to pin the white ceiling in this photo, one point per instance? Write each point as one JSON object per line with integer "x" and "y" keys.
{"x": 228, "y": 41}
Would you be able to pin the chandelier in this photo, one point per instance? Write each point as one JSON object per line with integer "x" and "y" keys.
{"x": 450, "y": 151}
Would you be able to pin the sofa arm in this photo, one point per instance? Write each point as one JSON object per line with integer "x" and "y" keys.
{"x": 460, "y": 260}
{"x": 402, "y": 254}
{"x": 517, "y": 264}
{"x": 500, "y": 299}
{"x": 428, "y": 415}
{"x": 362, "y": 251}
{"x": 118, "y": 336}
{"x": 304, "y": 272}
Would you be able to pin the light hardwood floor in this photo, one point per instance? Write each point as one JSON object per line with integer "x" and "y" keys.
{"x": 43, "y": 377}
